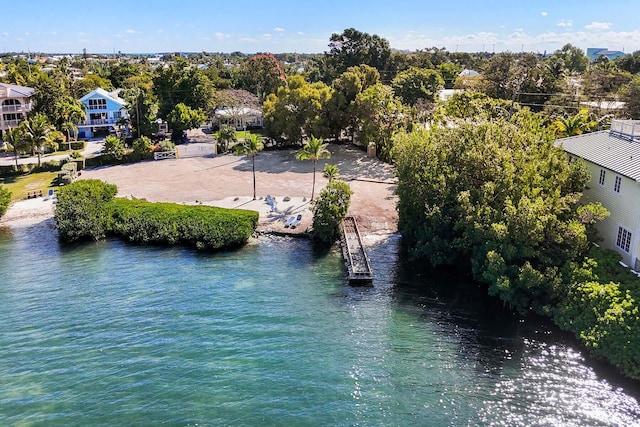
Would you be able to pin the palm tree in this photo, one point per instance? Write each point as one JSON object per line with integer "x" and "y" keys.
{"x": 251, "y": 146}
{"x": 314, "y": 150}
{"x": 575, "y": 125}
{"x": 226, "y": 135}
{"x": 71, "y": 112}
{"x": 69, "y": 127}
{"x": 39, "y": 133}
{"x": 330, "y": 172}
{"x": 13, "y": 137}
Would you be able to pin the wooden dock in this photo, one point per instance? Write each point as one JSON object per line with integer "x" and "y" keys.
{"x": 355, "y": 257}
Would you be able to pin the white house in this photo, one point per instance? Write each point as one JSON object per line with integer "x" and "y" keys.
{"x": 613, "y": 158}
{"x": 15, "y": 103}
{"x": 104, "y": 111}
{"x": 237, "y": 117}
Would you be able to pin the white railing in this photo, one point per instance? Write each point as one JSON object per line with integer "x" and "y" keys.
{"x": 162, "y": 155}
{"x": 629, "y": 129}
{"x": 11, "y": 123}
{"x": 15, "y": 108}
{"x": 98, "y": 122}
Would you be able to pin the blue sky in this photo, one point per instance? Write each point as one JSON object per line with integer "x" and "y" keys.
{"x": 303, "y": 26}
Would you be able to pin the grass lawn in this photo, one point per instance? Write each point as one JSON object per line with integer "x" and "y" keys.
{"x": 21, "y": 185}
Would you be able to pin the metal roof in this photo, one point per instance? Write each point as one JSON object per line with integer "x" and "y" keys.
{"x": 609, "y": 150}
{"x": 22, "y": 90}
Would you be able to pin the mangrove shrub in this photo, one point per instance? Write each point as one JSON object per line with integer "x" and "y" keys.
{"x": 497, "y": 197}
{"x": 87, "y": 209}
{"x": 81, "y": 212}
{"x": 5, "y": 199}
{"x": 329, "y": 209}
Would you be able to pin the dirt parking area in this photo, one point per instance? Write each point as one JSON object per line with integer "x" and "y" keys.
{"x": 226, "y": 181}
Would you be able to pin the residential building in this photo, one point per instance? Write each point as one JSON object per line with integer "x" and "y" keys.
{"x": 237, "y": 117}
{"x": 594, "y": 53}
{"x": 15, "y": 104}
{"x": 613, "y": 159}
{"x": 105, "y": 111}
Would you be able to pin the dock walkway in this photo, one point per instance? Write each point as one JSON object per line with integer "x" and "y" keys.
{"x": 355, "y": 256}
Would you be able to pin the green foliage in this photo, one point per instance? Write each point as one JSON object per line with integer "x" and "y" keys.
{"x": 203, "y": 227}
{"x": 143, "y": 147}
{"x": 165, "y": 145}
{"x": 630, "y": 94}
{"x": 251, "y": 146}
{"x": 38, "y": 134}
{"x": 87, "y": 209}
{"x": 225, "y": 136}
{"x": 314, "y": 150}
{"x": 417, "y": 84}
{"x": 573, "y": 58}
{"x": 575, "y": 124}
{"x": 297, "y": 108}
{"x": 261, "y": 74}
{"x": 601, "y": 309}
{"x": 329, "y": 209}
{"x": 114, "y": 147}
{"x": 497, "y": 196}
{"x": 81, "y": 212}
{"x": 5, "y": 199}
{"x": 352, "y": 48}
{"x": 331, "y": 172}
{"x": 380, "y": 115}
{"x": 183, "y": 117}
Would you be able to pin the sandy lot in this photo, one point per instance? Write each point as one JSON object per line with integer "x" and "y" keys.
{"x": 226, "y": 181}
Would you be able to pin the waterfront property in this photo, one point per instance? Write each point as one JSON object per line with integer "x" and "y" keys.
{"x": 358, "y": 266}
{"x": 613, "y": 159}
{"x": 15, "y": 104}
{"x": 104, "y": 112}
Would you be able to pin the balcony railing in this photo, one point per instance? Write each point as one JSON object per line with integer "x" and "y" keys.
{"x": 99, "y": 122}
{"x": 22, "y": 108}
{"x": 10, "y": 123}
{"x": 628, "y": 129}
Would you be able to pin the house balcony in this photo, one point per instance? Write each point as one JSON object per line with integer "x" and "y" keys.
{"x": 99, "y": 122}
{"x": 6, "y": 124}
{"x": 22, "y": 108}
{"x": 627, "y": 129}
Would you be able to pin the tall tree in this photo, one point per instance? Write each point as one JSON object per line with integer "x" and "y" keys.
{"x": 70, "y": 112}
{"x": 261, "y": 75}
{"x": 572, "y": 57}
{"x": 352, "y": 48}
{"x": 39, "y": 134}
{"x": 417, "y": 84}
{"x": 314, "y": 150}
{"x": 630, "y": 94}
{"x": 182, "y": 118}
{"x": 13, "y": 137}
{"x": 251, "y": 146}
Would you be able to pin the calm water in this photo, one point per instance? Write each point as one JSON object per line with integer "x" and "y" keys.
{"x": 111, "y": 334}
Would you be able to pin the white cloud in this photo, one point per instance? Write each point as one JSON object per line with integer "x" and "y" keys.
{"x": 595, "y": 25}
{"x": 278, "y": 29}
{"x": 221, "y": 36}
{"x": 161, "y": 30}
{"x": 563, "y": 23}
{"x": 130, "y": 31}
{"x": 27, "y": 34}
{"x": 300, "y": 33}
{"x": 247, "y": 40}
{"x": 266, "y": 36}
{"x": 544, "y": 13}
{"x": 5, "y": 34}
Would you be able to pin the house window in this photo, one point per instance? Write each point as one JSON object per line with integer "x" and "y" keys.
{"x": 117, "y": 115}
{"x": 624, "y": 239}
{"x": 603, "y": 173}
{"x": 616, "y": 185}
{"x": 97, "y": 104}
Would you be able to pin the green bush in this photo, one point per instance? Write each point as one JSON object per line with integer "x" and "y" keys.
{"x": 114, "y": 147}
{"x": 601, "y": 309}
{"x": 203, "y": 227}
{"x": 5, "y": 199}
{"x": 87, "y": 210}
{"x": 143, "y": 148}
{"x": 329, "y": 209}
{"x": 75, "y": 145}
{"x": 81, "y": 212}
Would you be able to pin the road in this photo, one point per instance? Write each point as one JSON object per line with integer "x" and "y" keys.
{"x": 92, "y": 148}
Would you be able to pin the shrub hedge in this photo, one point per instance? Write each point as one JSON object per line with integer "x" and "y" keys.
{"x": 5, "y": 199}
{"x": 601, "y": 309}
{"x": 87, "y": 209}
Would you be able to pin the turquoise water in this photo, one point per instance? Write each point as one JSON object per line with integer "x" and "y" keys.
{"x": 112, "y": 334}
